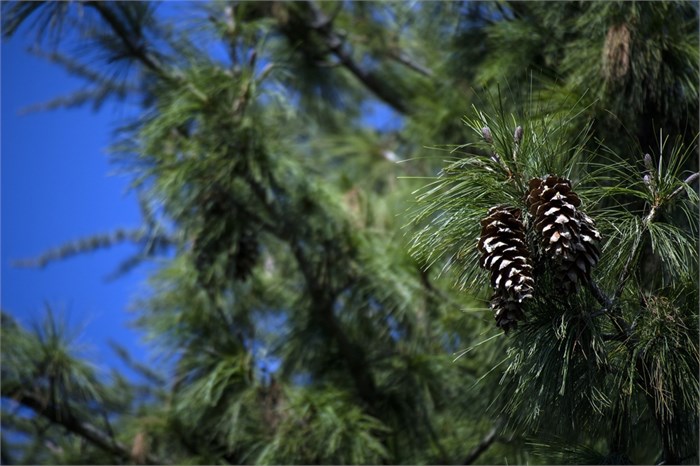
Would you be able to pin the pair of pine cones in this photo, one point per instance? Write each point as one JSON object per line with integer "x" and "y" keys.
{"x": 566, "y": 238}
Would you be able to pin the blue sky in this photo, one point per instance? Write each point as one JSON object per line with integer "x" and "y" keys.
{"x": 56, "y": 187}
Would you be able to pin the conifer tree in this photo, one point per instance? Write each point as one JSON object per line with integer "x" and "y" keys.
{"x": 298, "y": 319}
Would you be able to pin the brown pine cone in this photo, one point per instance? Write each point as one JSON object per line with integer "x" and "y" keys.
{"x": 505, "y": 254}
{"x": 568, "y": 236}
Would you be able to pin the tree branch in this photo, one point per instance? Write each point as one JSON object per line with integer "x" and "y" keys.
{"x": 308, "y": 17}
{"x": 688, "y": 180}
{"x": 84, "y": 429}
{"x": 322, "y": 295}
{"x": 600, "y": 296}
{"x": 670, "y": 454}
{"x": 482, "y": 446}
{"x": 152, "y": 242}
{"x": 322, "y": 306}
{"x": 137, "y": 51}
{"x": 322, "y": 24}
{"x": 407, "y": 61}
{"x": 650, "y": 217}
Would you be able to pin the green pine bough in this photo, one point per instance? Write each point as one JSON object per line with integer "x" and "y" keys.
{"x": 591, "y": 262}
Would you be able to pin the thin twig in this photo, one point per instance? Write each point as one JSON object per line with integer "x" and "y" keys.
{"x": 404, "y": 59}
{"x": 688, "y": 180}
{"x": 621, "y": 325}
{"x": 600, "y": 296}
{"x": 482, "y": 446}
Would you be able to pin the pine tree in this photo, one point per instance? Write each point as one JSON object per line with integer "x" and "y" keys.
{"x": 297, "y": 319}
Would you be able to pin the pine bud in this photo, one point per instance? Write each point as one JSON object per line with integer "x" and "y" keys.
{"x": 486, "y": 133}
{"x": 518, "y": 135}
{"x": 649, "y": 172}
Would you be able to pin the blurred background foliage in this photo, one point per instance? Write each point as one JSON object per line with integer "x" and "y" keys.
{"x": 278, "y": 148}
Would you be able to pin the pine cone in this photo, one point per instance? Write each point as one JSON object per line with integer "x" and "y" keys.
{"x": 505, "y": 254}
{"x": 508, "y": 312}
{"x": 568, "y": 236}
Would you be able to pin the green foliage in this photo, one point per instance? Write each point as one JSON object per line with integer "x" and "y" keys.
{"x": 49, "y": 350}
{"x": 294, "y": 315}
{"x": 481, "y": 175}
{"x": 324, "y": 417}
{"x": 566, "y": 376}
{"x": 621, "y": 55}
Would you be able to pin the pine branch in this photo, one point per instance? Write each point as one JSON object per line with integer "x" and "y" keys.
{"x": 98, "y": 95}
{"x": 649, "y": 218}
{"x": 322, "y": 24}
{"x": 409, "y": 62}
{"x": 322, "y": 297}
{"x": 332, "y": 41}
{"x": 671, "y": 456}
{"x": 609, "y": 303}
{"x": 483, "y": 445}
{"x": 691, "y": 179}
{"x": 73, "y": 66}
{"x": 137, "y": 367}
{"x": 154, "y": 241}
{"x": 84, "y": 429}
{"x": 137, "y": 51}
